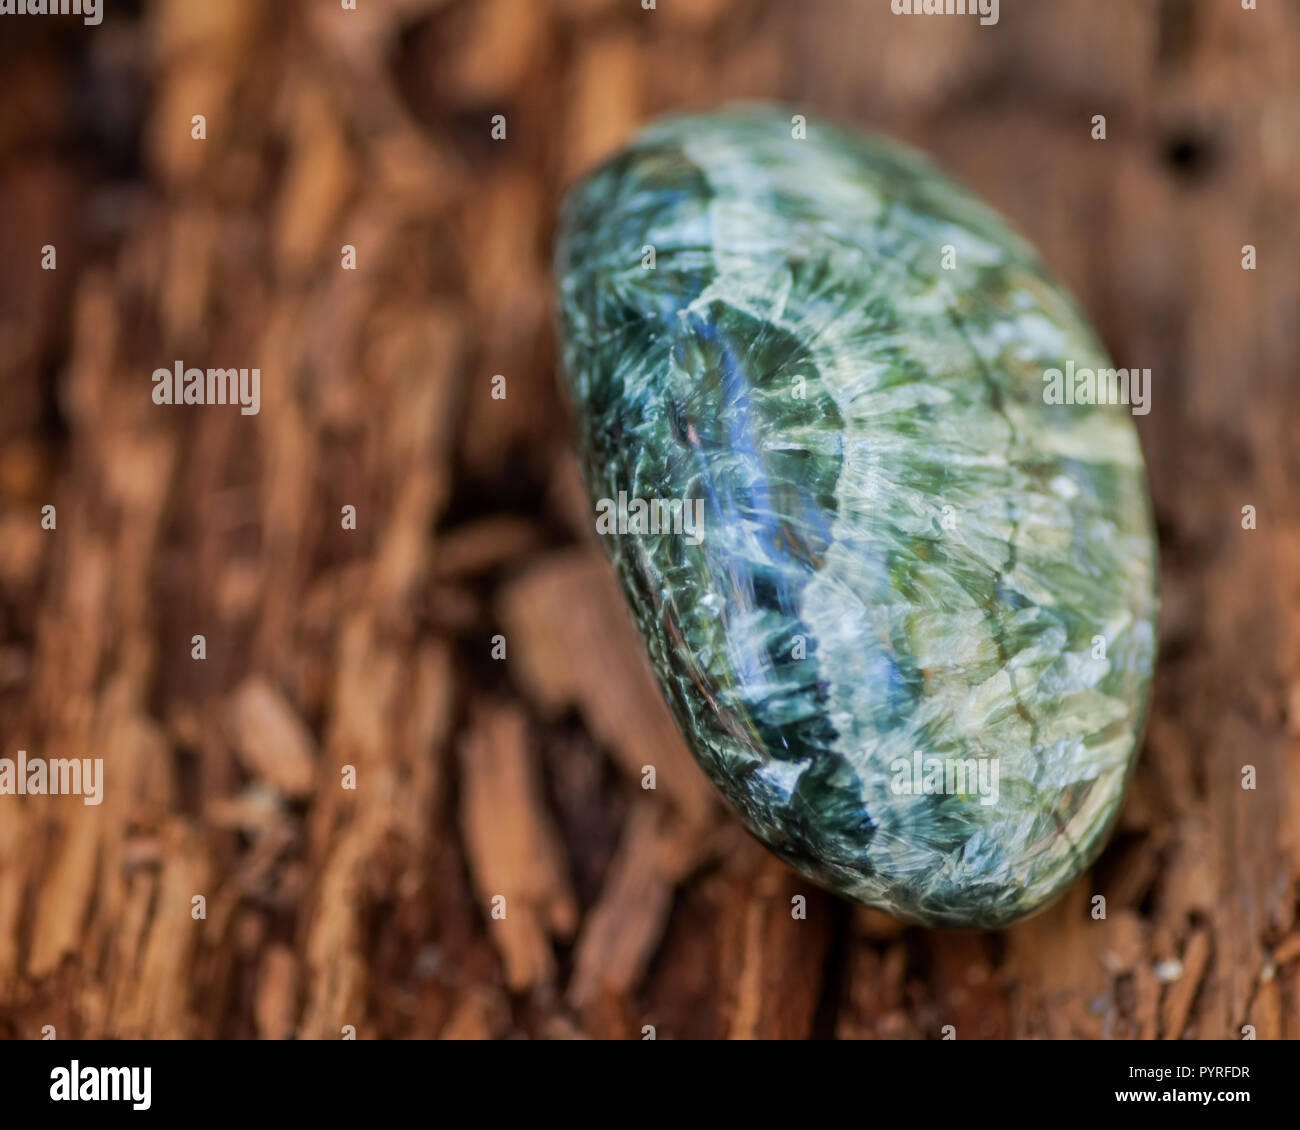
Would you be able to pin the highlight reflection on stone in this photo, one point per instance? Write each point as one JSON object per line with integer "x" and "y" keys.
{"x": 913, "y": 639}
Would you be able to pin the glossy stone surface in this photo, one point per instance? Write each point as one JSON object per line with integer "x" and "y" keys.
{"x": 905, "y": 551}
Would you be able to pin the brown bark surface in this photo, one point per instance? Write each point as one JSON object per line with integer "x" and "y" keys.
{"x": 370, "y": 651}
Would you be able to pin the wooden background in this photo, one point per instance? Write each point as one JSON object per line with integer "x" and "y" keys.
{"x": 372, "y": 648}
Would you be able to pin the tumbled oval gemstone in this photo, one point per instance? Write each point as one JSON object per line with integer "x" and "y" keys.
{"x": 895, "y": 580}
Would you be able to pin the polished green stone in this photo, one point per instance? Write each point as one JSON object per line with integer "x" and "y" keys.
{"x": 911, "y": 563}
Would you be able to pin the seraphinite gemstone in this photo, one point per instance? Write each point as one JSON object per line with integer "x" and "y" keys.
{"x": 914, "y": 643}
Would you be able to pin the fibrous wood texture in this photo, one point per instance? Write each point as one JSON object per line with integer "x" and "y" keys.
{"x": 463, "y": 652}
